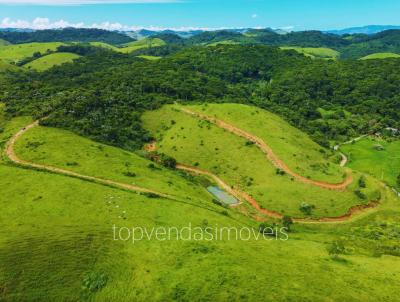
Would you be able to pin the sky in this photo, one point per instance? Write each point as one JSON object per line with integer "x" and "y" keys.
{"x": 193, "y": 14}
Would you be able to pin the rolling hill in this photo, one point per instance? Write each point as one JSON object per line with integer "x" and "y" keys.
{"x": 4, "y": 42}
{"x": 197, "y": 143}
{"x": 16, "y": 53}
{"x": 63, "y": 232}
{"x": 313, "y": 52}
{"x": 51, "y": 60}
{"x": 382, "y": 55}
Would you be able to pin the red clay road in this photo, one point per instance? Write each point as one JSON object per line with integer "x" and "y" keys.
{"x": 272, "y": 157}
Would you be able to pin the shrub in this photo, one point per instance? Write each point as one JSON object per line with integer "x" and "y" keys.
{"x": 306, "y": 208}
{"x": 335, "y": 249}
{"x": 287, "y": 221}
{"x": 362, "y": 182}
{"x": 280, "y": 172}
{"x": 130, "y": 174}
{"x": 360, "y": 194}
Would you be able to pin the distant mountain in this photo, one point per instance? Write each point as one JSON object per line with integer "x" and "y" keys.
{"x": 368, "y": 30}
{"x": 65, "y": 35}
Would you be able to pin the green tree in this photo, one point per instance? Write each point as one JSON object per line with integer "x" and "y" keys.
{"x": 287, "y": 221}
{"x": 307, "y": 208}
{"x": 335, "y": 249}
{"x": 362, "y": 182}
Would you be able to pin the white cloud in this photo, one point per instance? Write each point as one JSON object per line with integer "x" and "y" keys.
{"x": 254, "y": 16}
{"x": 46, "y": 23}
{"x": 80, "y": 2}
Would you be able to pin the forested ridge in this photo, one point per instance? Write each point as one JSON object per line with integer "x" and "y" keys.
{"x": 66, "y": 35}
{"x": 103, "y": 94}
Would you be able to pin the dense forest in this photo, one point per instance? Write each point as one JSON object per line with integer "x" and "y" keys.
{"x": 103, "y": 94}
{"x": 66, "y": 35}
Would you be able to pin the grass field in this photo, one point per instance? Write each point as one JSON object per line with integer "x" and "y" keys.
{"x": 383, "y": 55}
{"x": 198, "y": 143}
{"x": 144, "y": 43}
{"x": 132, "y": 46}
{"x": 151, "y": 58}
{"x": 51, "y": 60}
{"x": 225, "y": 42}
{"x": 15, "y": 53}
{"x": 104, "y": 45}
{"x": 6, "y": 66}
{"x": 315, "y": 52}
{"x": 4, "y": 42}
{"x": 57, "y": 244}
{"x": 382, "y": 164}
{"x": 42, "y": 145}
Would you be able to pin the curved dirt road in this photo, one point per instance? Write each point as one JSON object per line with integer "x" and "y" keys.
{"x": 14, "y": 158}
{"x": 353, "y": 211}
{"x": 9, "y": 150}
{"x": 272, "y": 157}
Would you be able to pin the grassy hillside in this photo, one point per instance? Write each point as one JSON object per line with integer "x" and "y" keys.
{"x": 224, "y": 42}
{"x": 4, "y": 42}
{"x": 42, "y": 145}
{"x": 51, "y": 60}
{"x": 15, "y": 53}
{"x": 315, "y": 52}
{"x": 144, "y": 43}
{"x": 132, "y": 46}
{"x": 376, "y": 157}
{"x": 382, "y": 55}
{"x": 62, "y": 233}
{"x": 151, "y": 58}
{"x": 294, "y": 147}
{"x": 243, "y": 165}
{"x": 104, "y": 45}
{"x": 6, "y": 66}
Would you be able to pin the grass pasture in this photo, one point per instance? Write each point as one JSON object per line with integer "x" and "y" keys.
{"x": 4, "y": 42}
{"x": 63, "y": 149}
{"x": 382, "y": 55}
{"x": 382, "y": 164}
{"x": 15, "y": 53}
{"x": 132, "y": 46}
{"x": 144, "y": 43}
{"x": 4, "y": 66}
{"x": 51, "y": 60}
{"x": 57, "y": 241}
{"x": 150, "y": 58}
{"x": 199, "y": 143}
{"x": 315, "y": 52}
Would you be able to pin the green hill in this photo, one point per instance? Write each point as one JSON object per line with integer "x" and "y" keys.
{"x": 4, "y": 42}
{"x": 315, "y": 52}
{"x": 144, "y": 43}
{"x": 63, "y": 232}
{"x": 132, "y": 46}
{"x": 200, "y": 144}
{"x": 6, "y": 66}
{"x": 376, "y": 157}
{"x": 15, "y": 53}
{"x": 51, "y": 60}
{"x": 383, "y": 55}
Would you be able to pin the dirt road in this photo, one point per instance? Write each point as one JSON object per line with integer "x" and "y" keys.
{"x": 14, "y": 158}
{"x": 272, "y": 157}
{"x": 353, "y": 211}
